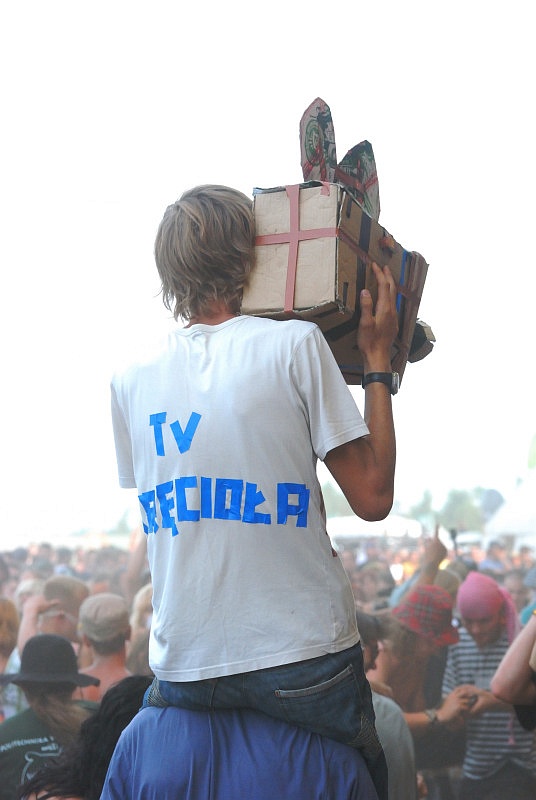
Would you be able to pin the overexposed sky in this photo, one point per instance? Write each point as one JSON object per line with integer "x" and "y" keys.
{"x": 111, "y": 109}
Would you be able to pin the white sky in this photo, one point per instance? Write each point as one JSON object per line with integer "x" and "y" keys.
{"x": 111, "y": 109}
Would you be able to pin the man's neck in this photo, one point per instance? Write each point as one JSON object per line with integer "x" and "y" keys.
{"x": 219, "y": 312}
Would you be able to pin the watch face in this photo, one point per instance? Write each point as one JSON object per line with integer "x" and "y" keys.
{"x": 395, "y": 383}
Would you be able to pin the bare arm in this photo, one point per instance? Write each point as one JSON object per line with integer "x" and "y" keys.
{"x": 513, "y": 680}
{"x": 34, "y": 606}
{"x": 487, "y": 701}
{"x": 364, "y": 468}
{"x": 137, "y": 560}
{"x": 452, "y": 713}
{"x": 434, "y": 553}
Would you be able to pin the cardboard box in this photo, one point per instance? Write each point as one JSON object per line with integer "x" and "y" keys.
{"x": 313, "y": 253}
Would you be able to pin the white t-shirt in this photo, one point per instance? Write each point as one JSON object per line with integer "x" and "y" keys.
{"x": 220, "y": 431}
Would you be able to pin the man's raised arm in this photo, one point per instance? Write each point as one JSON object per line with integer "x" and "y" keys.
{"x": 364, "y": 468}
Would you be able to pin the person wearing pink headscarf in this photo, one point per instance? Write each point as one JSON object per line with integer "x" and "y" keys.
{"x": 499, "y": 753}
{"x": 487, "y": 609}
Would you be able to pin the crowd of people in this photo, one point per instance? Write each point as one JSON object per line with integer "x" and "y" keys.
{"x": 73, "y": 625}
{"x": 449, "y": 652}
{"x": 455, "y": 645}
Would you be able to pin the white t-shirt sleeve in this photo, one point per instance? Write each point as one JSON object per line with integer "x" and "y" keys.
{"x": 333, "y": 416}
{"x": 123, "y": 444}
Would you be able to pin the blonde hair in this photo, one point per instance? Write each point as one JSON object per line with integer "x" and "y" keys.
{"x": 204, "y": 249}
{"x": 141, "y": 603}
{"x": 69, "y": 591}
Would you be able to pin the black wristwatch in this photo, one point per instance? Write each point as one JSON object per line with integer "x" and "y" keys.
{"x": 391, "y": 380}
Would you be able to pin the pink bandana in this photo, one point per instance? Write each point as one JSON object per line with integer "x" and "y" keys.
{"x": 480, "y": 596}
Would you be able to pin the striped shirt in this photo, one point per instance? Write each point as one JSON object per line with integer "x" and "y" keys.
{"x": 495, "y": 736}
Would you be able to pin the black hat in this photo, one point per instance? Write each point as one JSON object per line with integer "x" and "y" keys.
{"x": 48, "y": 658}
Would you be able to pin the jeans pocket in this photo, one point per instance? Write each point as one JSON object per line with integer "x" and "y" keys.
{"x": 332, "y": 707}
{"x": 153, "y": 696}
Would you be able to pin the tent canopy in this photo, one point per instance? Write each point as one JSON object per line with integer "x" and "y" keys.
{"x": 517, "y": 515}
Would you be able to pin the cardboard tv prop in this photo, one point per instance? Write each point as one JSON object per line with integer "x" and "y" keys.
{"x": 315, "y": 243}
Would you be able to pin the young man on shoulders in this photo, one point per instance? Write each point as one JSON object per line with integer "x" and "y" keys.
{"x": 220, "y": 431}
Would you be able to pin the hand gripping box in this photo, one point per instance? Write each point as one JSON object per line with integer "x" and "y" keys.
{"x": 314, "y": 248}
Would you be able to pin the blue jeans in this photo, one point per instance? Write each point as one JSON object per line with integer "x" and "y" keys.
{"x": 328, "y": 695}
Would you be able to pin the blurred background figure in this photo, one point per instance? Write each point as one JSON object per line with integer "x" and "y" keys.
{"x": 105, "y": 630}
{"x": 54, "y": 611}
{"x": 63, "y": 558}
{"x": 142, "y": 610}
{"x": 391, "y": 726}
{"x": 525, "y": 557}
{"x": 48, "y": 676}
{"x": 530, "y": 584}
{"x": 138, "y": 655}
{"x": 5, "y": 578}
{"x": 515, "y": 679}
{"x": 25, "y": 589}
{"x": 348, "y": 560}
{"x": 140, "y": 624}
{"x": 500, "y": 760}
{"x": 415, "y": 638}
{"x": 372, "y": 584}
{"x": 496, "y": 562}
{"x": 79, "y": 771}
{"x": 433, "y": 554}
{"x": 514, "y": 582}
{"x": 10, "y": 699}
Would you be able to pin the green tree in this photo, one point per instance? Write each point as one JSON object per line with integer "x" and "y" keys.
{"x": 424, "y": 512}
{"x": 462, "y": 510}
{"x": 121, "y": 527}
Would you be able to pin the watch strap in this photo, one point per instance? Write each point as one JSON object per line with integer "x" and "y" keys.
{"x": 390, "y": 379}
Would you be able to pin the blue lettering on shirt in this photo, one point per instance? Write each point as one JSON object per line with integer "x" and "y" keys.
{"x": 183, "y": 438}
{"x": 228, "y": 498}
{"x": 167, "y": 504}
{"x": 206, "y": 498}
{"x": 147, "y": 500}
{"x": 222, "y": 499}
{"x": 190, "y": 499}
{"x": 285, "y": 508}
{"x": 181, "y": 484}
{"x": 253, "y": 499}
{"x": 156, "y": 421}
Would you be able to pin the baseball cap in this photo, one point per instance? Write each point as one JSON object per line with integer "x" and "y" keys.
{"x": 104, "y": 616}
